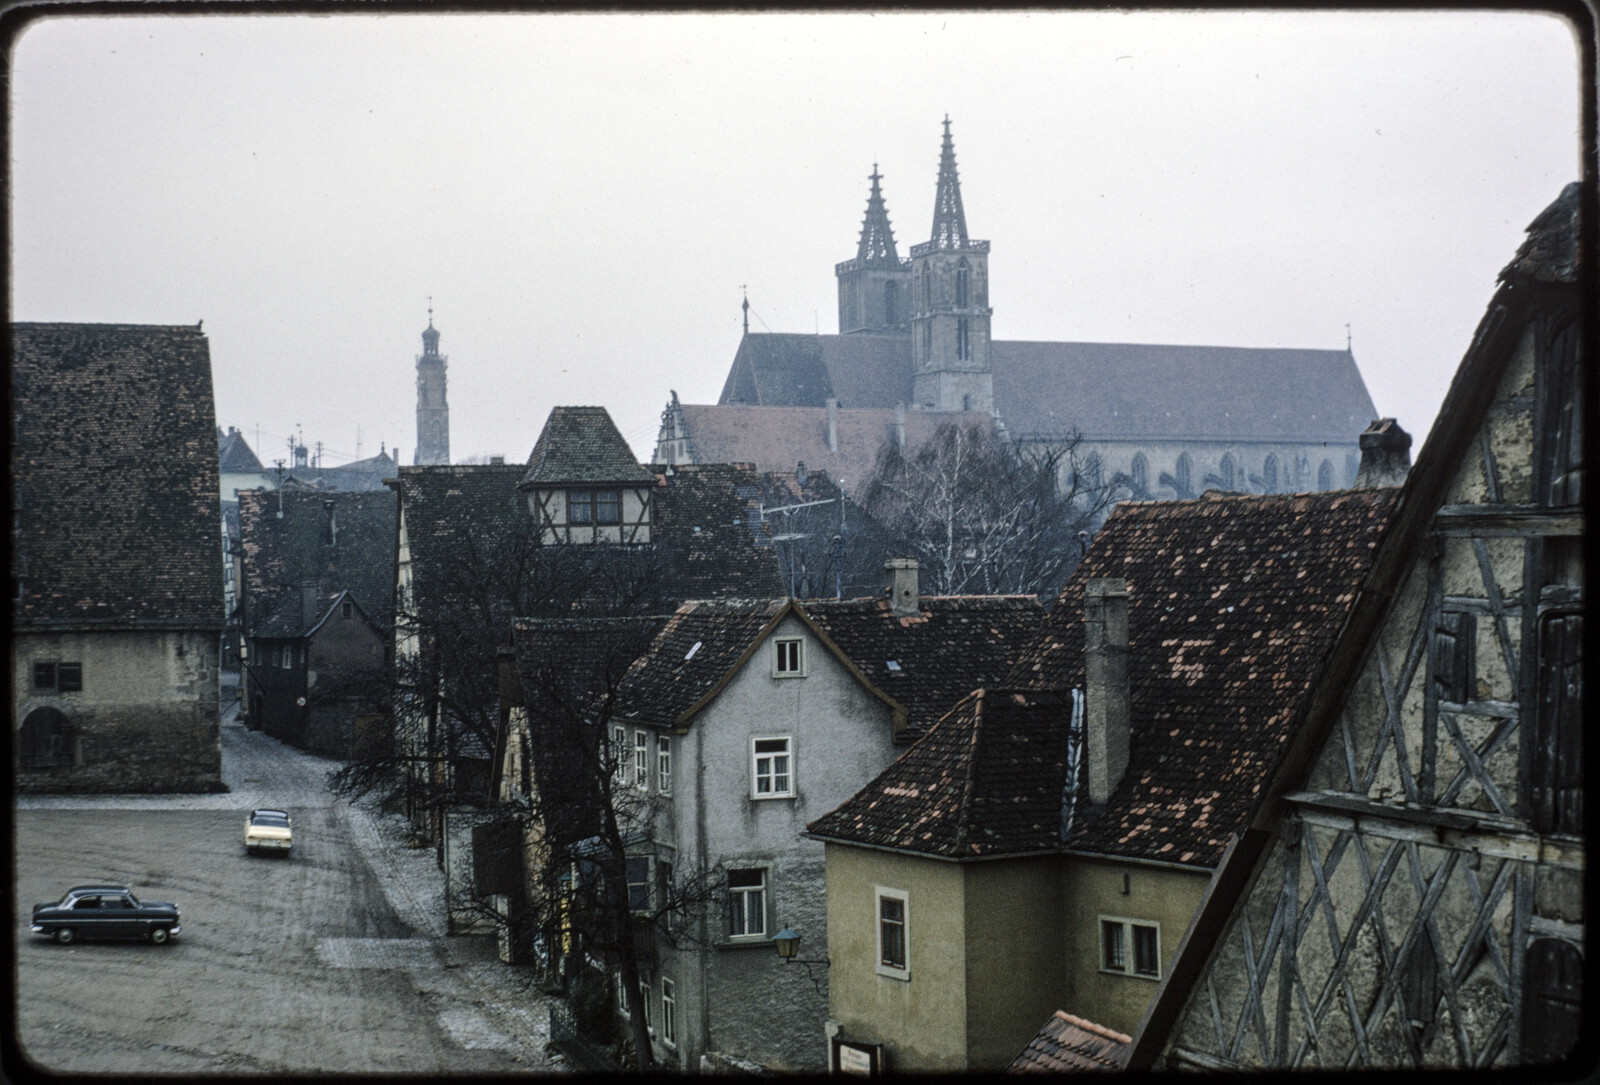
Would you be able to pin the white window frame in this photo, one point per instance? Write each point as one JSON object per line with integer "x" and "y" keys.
{"x": 648, "y": 882}
{"x": 644, "y": 1004}
{"x": 669, "y": 1012}
{"x": 664, "y": 764}
{"x": 765, "y": 911}
{"x": 622, "y": 997}
{"x": 771, "y": 775}
{"x": 783, "y": 650}
{"x": 641, "y": 759}
{"x": 619, "y": 751}
{"x": 1129, "y": 953}
{"x": 881, "y": 893}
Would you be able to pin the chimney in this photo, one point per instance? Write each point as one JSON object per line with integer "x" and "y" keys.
{"x": 1105, "y": 665}
{"x": 833, "y": 424}
{"x": 308, "y": 602}
{"x": 1385, "y": 455}
{"x": 330, "y": 530}
{"x": 900, "y": 426}
{"x": 903, "y": 599}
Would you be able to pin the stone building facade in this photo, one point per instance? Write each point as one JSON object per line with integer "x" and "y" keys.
{"x": 118, "y": 612}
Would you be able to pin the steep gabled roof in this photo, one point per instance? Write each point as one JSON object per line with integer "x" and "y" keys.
{"x": 956, "y": 644}
{"x": 234, "y": 454}
{"x": 452, "y": 512}
{"x": 1128, "y": 391}
{"x": 985, "y": 780}
{"x": 114, "y": 475}
{"x": 1072, "y": 1044}
{"x": 581, "y": 445}
{"x": 1233, "y": 604}
{"x": 295, "y": 569}
{"x": 693, "y": 654}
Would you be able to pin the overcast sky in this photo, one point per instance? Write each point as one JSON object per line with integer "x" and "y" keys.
{"x": 584, "y": 196}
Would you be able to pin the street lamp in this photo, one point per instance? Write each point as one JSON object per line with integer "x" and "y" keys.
{"x": 787, "y": 943}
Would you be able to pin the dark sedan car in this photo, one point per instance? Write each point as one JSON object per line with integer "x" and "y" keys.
{"x": 105, "y": 911}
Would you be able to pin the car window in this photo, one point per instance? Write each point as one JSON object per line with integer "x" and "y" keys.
{"x": 87, "y": 902}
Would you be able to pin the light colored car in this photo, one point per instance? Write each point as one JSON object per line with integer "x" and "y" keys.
{"x": 268, "y": 831}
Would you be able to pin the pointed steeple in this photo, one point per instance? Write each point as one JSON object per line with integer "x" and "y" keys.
{"x": 877, "y": 236}
{"x": 949, "y": 220}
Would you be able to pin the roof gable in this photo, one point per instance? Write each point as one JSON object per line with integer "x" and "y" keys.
{"x": 115, "y": 475}
{"x": 235, "y": 455}
{"x": 581, "y": 445}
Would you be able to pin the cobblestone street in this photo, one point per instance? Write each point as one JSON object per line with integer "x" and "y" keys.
{"x": 334, "y": 960}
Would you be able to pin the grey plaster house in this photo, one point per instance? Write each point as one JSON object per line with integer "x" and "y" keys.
{"x": 1410, "y": 893}
{"x": 118, "y": 608}
{"x": 747, "y": 719}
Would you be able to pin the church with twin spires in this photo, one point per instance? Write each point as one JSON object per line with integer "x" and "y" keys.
{"x": 915, "y": 349}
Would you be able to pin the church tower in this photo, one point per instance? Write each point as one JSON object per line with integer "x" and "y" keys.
{"x": 874, "y": 287}
{"x": 950, "y": 305}
{"x": 433, "y": 414}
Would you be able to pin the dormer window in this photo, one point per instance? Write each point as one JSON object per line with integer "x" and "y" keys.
{"x": 594, "y": 507}
{"x": 788, "y": 658}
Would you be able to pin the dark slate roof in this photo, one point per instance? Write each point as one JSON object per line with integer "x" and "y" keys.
{"x": 114, "y": 475}
{"x": 1103, "y": 390}
{"x": 448, "y": 510}
{"x": 708, "y": 526}
{"x": 984, "y": 780}
{"x": 282, "y": 557}
{"x": 776, "y": 438}
{"x": 1071, "y": 1044}
{"x": 582, "y": 445}
{"x": 1552, "y": 251}
{"x": 956, "y": 644}
{"x": 234, "y": 454}
{"x": 697, "y": 648}
{"x": 1233, "y": 604}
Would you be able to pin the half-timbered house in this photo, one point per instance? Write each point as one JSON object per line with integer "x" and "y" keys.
{"x": 583, "y": 484}
{"x": 1411, "y": 895}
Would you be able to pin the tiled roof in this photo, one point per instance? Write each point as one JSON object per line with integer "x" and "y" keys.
{"x": 1072, "y": 1044}
{"x": 985, "y": 779}
{"x": 234, "y": 454}
{"x": 284, "y": 557}
{"x": 776, "y": 438}
{"x": 114, "y": 475}
{"x": 708, "y": 526}
{"x": 582, "y": 445}
{"x": 1233, "y": 604}
{"x": 1103, "y": 390}
{"x": 1551, "y": 252}
{"x": 956, "y": 644}
{"x": 693, "y": 652}
{"x": 452, "y": 512}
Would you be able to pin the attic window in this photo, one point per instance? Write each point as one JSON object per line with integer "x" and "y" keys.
{"x": 893, "y": 665}
{"x": 347, "y": 609}
{"x": 692, "y": 651}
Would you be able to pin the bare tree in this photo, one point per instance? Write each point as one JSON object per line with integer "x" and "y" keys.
{"x": 986, "y": 516}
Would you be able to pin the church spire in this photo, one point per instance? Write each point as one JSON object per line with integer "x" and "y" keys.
{"x": 949, "y": 220}
{"x": 877, "y": 236}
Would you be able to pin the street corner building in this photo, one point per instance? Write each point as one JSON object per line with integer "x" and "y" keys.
{"x": 117, "y": 607}
{"x": 1411, "y": 892}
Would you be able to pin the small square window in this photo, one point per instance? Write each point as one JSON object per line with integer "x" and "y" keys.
{"x": 772, "y": 769}
{"x": 44, "y": 676}
{"x": 788, "y": 658}
{"x": 607, "y": 507}
{"x": 580, "y": 507}
{"x": 347, "y": 609}
{"x": 1130, "y": 947}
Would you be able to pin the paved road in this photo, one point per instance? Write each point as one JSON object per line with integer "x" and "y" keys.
{"x": 334, "y": 960}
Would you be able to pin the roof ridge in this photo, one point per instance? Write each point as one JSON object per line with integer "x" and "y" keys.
{"x": 1090, "y": 1026}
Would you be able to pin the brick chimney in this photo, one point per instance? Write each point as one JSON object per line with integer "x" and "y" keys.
{"x": 1105, "y": 665}
{"x": 904, "y": 601}
{"x": 1385, "y": 455}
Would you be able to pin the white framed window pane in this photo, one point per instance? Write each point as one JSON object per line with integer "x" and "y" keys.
{"x": 669, "y": 1010}
{"x": 664, "y": 763}
{"x": 1146, "y": 961}
{"x": 1114, "y": 954}
{"x": 892, "y": 932}
{"x": 641, "y": 759}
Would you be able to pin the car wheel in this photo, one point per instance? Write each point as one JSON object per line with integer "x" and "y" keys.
{"x": 159, "y": 935}
{"x": 65, "y": 935}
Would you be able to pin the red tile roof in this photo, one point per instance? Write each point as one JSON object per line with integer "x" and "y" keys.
{"x": 1068, "y": 1043}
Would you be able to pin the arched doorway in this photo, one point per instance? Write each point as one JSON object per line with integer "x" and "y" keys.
{"x": 46, "y": 739}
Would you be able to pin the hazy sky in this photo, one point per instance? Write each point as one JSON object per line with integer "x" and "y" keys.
{"x": 583, "y": 196}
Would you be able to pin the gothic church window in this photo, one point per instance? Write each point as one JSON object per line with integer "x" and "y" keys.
{"x": 1325, "y": 475}
{"x": 963, "y": 279}
{"x": 1139, "y": 474}
{"x": 963, "y": 348}
{"x": 1269, "y": 475}
{"x": 1184, "y": 473}
{"x": 1227, "y": 472}
{"x": 891, "y": 302}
